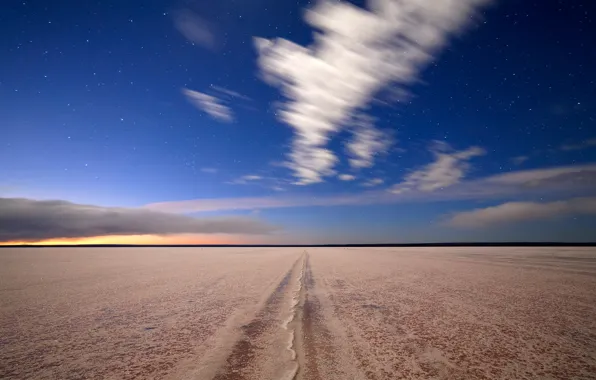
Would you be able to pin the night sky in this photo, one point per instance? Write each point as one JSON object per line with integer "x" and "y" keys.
{"x": 270, "y": 121}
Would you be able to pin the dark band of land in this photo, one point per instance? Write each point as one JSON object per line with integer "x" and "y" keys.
{"x": 407, "y": 245}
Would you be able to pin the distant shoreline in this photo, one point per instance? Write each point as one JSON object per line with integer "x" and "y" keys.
{"x": 413, "y": 245}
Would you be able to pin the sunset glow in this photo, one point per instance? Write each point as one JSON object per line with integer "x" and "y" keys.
{"x": 133, "y": 239}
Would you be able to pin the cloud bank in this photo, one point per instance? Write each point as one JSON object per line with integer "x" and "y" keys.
{"x": 209, "y": 104}
{"x": 32, "y": 220}
{"x": 356, "y": 53}
{"x": 514, "y": 212}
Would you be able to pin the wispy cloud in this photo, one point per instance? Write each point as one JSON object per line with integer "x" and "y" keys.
{"x": 515, "y": 212}
{"x": 252, "y": 177}
{"x": 574, "y": 175}
{"x": 373, "y": 182}
{"x": 209, "y": 104}
{"x": 519, "y": 159}
{"x": 449, "y": 168}
{"x": 33, "y": 220}
{"x": 527, "y": 183}
{"x": 209, "y": 170}
{"x": 366, "y": 143}
{"x": 230, "y": 93}
{"x": 246, "y": 179}
{"x": 346, "y": 177}
{"x": 589, "y": 143}
{"x": 355, "y": 54}
{"x": 195, "y": 28}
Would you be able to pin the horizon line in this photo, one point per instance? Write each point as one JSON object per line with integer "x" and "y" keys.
{"x": 397, "y": 245}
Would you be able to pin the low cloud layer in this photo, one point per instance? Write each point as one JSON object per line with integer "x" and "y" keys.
{"x": 32, "y": 220}
{"x": 574, "y": 180}
{"x": 515, "y": 212}
{"x": 356, "y": 53}
{"x": 211, "y": 105}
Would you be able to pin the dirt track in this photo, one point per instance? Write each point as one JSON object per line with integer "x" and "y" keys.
{"x": 320, "y": 313}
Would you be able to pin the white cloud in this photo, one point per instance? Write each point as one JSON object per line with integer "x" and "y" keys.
{"x": 355, "y": 54}
{"x": 209, "y": 170}
{"x": 209, "y": 104}
{"x": 449, "y": 168}
{"x": 513, "y": 212}
{"x": 589, "y": 143}
{"x": 346, "y": 177}
{"x": 194, "y": 28}
{"x": 366, "y": 143}
{"x": 519, "y": 159}
{"x": 373, "y": 182}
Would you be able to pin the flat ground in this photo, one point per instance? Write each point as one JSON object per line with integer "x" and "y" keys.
{"x": 316, "y": 313}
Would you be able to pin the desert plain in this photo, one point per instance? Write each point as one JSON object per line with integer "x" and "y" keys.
{"x": 298, "y": 313}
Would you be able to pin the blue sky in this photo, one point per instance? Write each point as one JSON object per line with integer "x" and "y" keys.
{"x": 331, "y": 121}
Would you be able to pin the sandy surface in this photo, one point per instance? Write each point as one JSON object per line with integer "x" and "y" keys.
{"x": 319, "y": 313}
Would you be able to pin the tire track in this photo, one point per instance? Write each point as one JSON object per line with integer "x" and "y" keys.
{"x": 327, "y": 352}
{"x": 293, "y": 325}
{"x": 248, "y": 357}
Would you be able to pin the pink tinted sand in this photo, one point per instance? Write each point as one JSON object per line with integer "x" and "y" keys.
{"x": 122, "y": 313}
{"x": 365, "y": 313}
{"x": 464, "y": 313}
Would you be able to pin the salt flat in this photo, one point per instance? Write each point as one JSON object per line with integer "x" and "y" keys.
{"x": 123, "y": 313}
{"x": 284, "y": 313}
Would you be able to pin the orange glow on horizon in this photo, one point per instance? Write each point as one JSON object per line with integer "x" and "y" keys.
{"x": 131, "y": 239}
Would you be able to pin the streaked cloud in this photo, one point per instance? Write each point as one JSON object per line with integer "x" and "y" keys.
{"x": 252, "y": 177}
{"x": 210, "y": 105}
{"x": 519, "y": 159}
{"x": 356, "y": 53}
{"x": 516, "y": 212}
{"x": 373, "y": 182}
{"x": 573, "y": 175}
{"x": 346, "y": 177}
{"x": 589, "y": 143}
{"x": 34, "y": 220}
{"x": 230, "y": 93}
{"x": 366, "y": 143}
{"x": 246, "y": 179}
{"x": 449, "y": 168}
{"x": 574, "y": 180}
{"x": 194, "y": 28}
